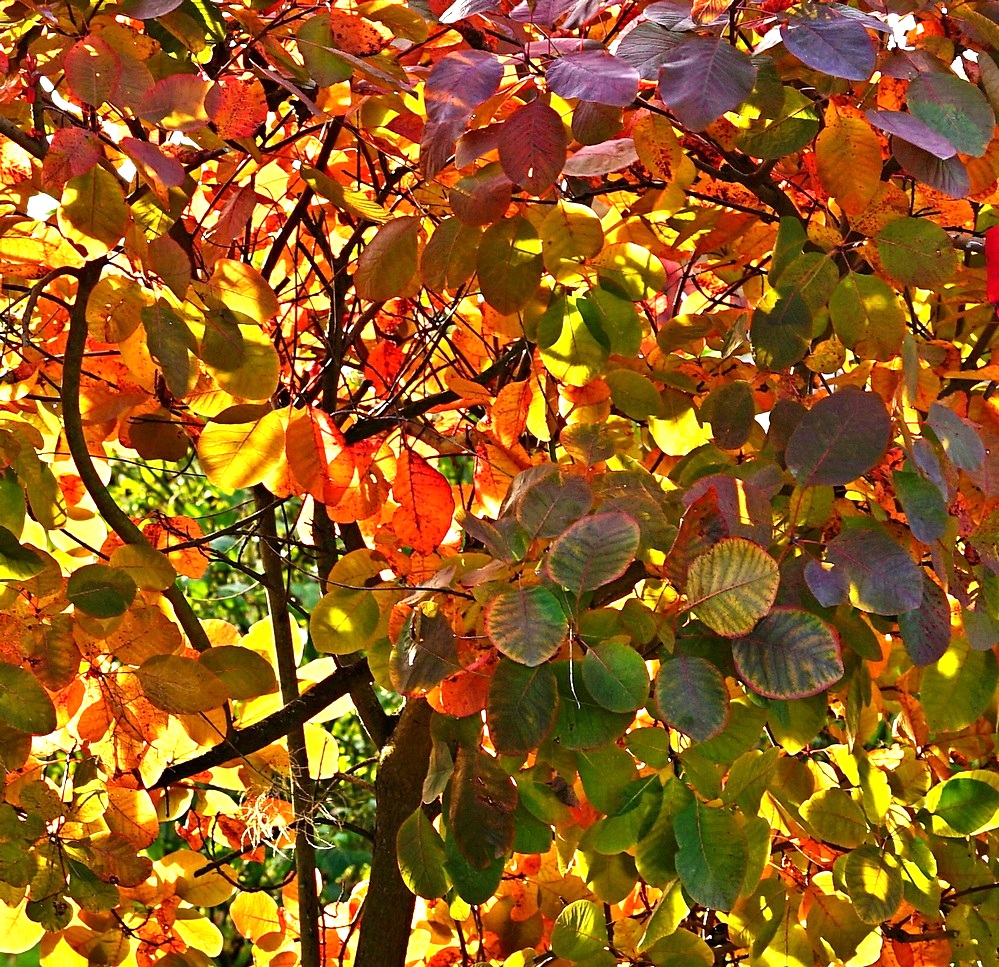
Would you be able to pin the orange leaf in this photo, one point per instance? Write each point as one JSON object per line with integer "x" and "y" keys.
{"x": 509, "y": 412}
{"x": 320, "y": 461}
{"x": 426, "y": 504}
{"x": 237, "y": 107}
{"x": 383, "y": 365}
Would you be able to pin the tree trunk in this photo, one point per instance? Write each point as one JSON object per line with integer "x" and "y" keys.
{"x": 388, "y": 910}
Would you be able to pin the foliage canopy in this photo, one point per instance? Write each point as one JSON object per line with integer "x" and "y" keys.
{"x": 610, "y": 381}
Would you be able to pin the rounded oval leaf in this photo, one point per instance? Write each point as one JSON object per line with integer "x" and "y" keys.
{"x": 873, "y": 882}
{"x": 244, "y": 673}
{"x": 616, "y": 676}
{"x": 24, "y": 704}
{"x": 917, "y": 252}
{"x": 732, "y": 586}
{"x": 580, "y": 931}
{"x": 522, "y": 706}
{"x": 594, "y": 551}
{"x": 839, "y": 439}
{"x": 343, "y": 621}
{"x": 691, "y": 697}
{"x": 421, "y": 857}
{"x": 182, "y": 686}
{"x": 526, "y": 624}
{"x": 101, "y": 591}
{"x": 789, "y": 654}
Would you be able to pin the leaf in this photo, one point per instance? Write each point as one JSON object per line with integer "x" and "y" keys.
{"x": 839, "y": 439}
{"x": 526, "y": 624}
{"x": 867, "y": 316}
{"x": 835, "y": 818}
{"x": 848, "y": 160}
{"x": 548, "y": 507}
{"x": 388, "y": 266}
{"x": 916, "y": 252}
{"x": 176, "y": 103}
{"x": 957, "y": 688}
{"x": 657, "y": 145}
{"x": 593, "y": 75}
{"x": 483, "y": 798}
{"x": 958, "y": 437}
{"x": 235, "y": 455}
{"x": 789, "y": 654}
{"x": 92, "y": 69}
{"x": 732, "y": 586}
{"x": 580, "y": 931}
{"x": 426, "y": 505}
{"x": 24, "y": 704}
{"x": 950, "y": 176}
{"x": 509, "y": 264}
{"x": 593, "y": 552}
{"x": 448, "y": 259}
{"x": 532, "y": 147}
{"x": 601, "y": 158}
{"x": 690, "y": 696}
{"x": 570, "y": 233}
{"x": 703, "y": 78}
{"x": 317, "y": 46}
{"x": 793, "y": 128}
{"x": 926, "y": 630}
{"x": 826, "y": 41}
{"x": 181, "y": 686}
{"x": 954, "y": 109}
{"x": 873, "y": 880}
{"x": 713, "y": 856}
{"x": 780, "y": 330}
{"x": 522, "y": 706}
{"x": 909, "y": 128}
{"x": 92, "y": 211}
{"x": 425, "y": 654}
{"x": 17, "y": 562}
{"x": 354, "y": 203}
{"x": 421, "y": 857}
{"x": 864, "y": 565}
{"x": 965, "y": 805}
{"x": 101, "y": 591}
{"x": 344, "y": 620}
{"x": 616, "y": 676}
{"x": 237, "y": 107}
{"x": 244, "y": 673}
{"x": 243, "y": 291}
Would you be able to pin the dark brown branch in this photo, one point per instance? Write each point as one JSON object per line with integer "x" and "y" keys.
{"x": 76, "y": 440}
{"x": 33, "y": 146}
{"x": 254, "y": 737}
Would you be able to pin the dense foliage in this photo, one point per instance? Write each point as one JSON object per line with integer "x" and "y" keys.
{"x": 612, "y": 381}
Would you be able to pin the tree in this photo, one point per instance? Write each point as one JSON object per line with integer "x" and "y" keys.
{"x": 601, "y": 395}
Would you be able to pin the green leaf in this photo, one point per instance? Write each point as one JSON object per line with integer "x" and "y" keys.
{"x": 244, "y": 673}
{"x": 17, "y": 562}
{"x": 731, "y": 411}
{"x": 630, "y": 269}
{"x": 316, "y": 44}
{"x": 780, "y": 330}
{"x": 690, "y": 696}
{"x": 635, "y": 395}
{"x": 483, "y": 799}
{"x": 953, "y": 108}
{"x": 181, "y": 686}
{"x": 867, "y": 316}
{"x": 552, "y": 504}
{"x": 471, "y": 884}
{"x": 448, "y": 259}
{"x": 582, "y": 722}
{"x": 796, "y": 125}
{"x": 343, "y": 621}
{"x": 421, "y": 857}
{"x": 526, "y": 624}
{"x": 388, "y": 266}
{"x": 873, "y": 879}
{"x": 171, "y": 344}
{"x": 616, "y": 676}
{"x": 959, "y": 687}
{"x": 571, "y": 350}
{"x": 959, "y": 438}
{"x": 580, "y": 931}
{"x": 353, "y": 202}
{"x": 918, "y": 252}
{"x": 789, "y": 654}
{"x": 612, "y": 320}
{"x": 713, "y": 855}
{"x": 101, "y": 591}
{"x": 522, "y": 706}
{"x": 732, "y": 586}
{"x": 593, "y": 552}
{"x": 965, "y": 805}
{"x": 839, "y": 439}
{"x": 835, "y": 818}
{"x": 923, "y": 505}
{"x": 509, "y": 264}
{"x": 24, "y": 704}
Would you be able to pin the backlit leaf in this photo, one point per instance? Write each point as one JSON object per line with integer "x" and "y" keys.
{"x": 958, "y": 437}
{"x": 848, "y": 158}
{"x": 593, "y": 551}
{"x": 509, "y": 264}
{"x": 580, "y": 931}
{"x": 244, "y": 673}
{"x": 526, "y": 624}
{"x": 387, "y": 268}
{"x": 958, "y": 687}
{"x": 344, "y": 620}
{"x": 732, "y": 586}
{"x": 235, "y": 455}
{"x": 101, "y": 591}
{"x": 93, "y": 212}
{"x": 835, "y": 818}
{"x": 780, "y": 329}
{"x": 17, "y": 563}
{"x": 24, "y": 704}
{"x": 421, "y": 856}
{"x": 182, "y": 686}
{"x": 873, "y": 879}
{"x": 915, "y": 251}
{"x": 532, "y": 147}
{"x": 426, "y": 504}
{"x": 92, "y": 70}
{"x": 593, "y": 75}
{"x": 867, "y": 316}
{"x": 839, "y": 439}
{"x": 789, "y": 654}
{"x": 523, "y": 704}
{"x": 965, "y": 805}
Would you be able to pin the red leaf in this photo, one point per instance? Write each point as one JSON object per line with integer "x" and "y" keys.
{"x": 532, "y": 147}
{"x": 992, "y": 264}
{"x": 237, "y": 107}
{"x": 92, "y": 70}
{"x": 426, "y": 504}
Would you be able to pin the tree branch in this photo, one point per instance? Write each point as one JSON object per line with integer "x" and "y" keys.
{"x": 79, "y": 450}
{"x": 254, "y": 737}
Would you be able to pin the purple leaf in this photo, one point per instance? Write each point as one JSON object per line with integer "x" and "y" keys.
{"x": 926, "y": 629}
{"x": 829, "y": 42}
{"x": 459, "y": 83}
{"x": 594, "y": 75}
{"x": 911, "y": 129}
{"x": 647, "y": 48}
{"x": 600, "y": 159}
{"x": 461, "y": 9}
{"x": 704, "y": 78}
{"x": 544, "y": 13}
{"x": 948, "y": 175}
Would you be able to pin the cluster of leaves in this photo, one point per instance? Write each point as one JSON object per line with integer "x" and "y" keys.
{"x": 699, "y": 661}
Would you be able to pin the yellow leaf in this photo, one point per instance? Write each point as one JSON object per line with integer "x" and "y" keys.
{"x": 237, "y": 455}
{"x": 148, "y": 568}
{"x": 243, "y": 290}
{"x": 18, "y": 934}
{"x": 93, "y": 212}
